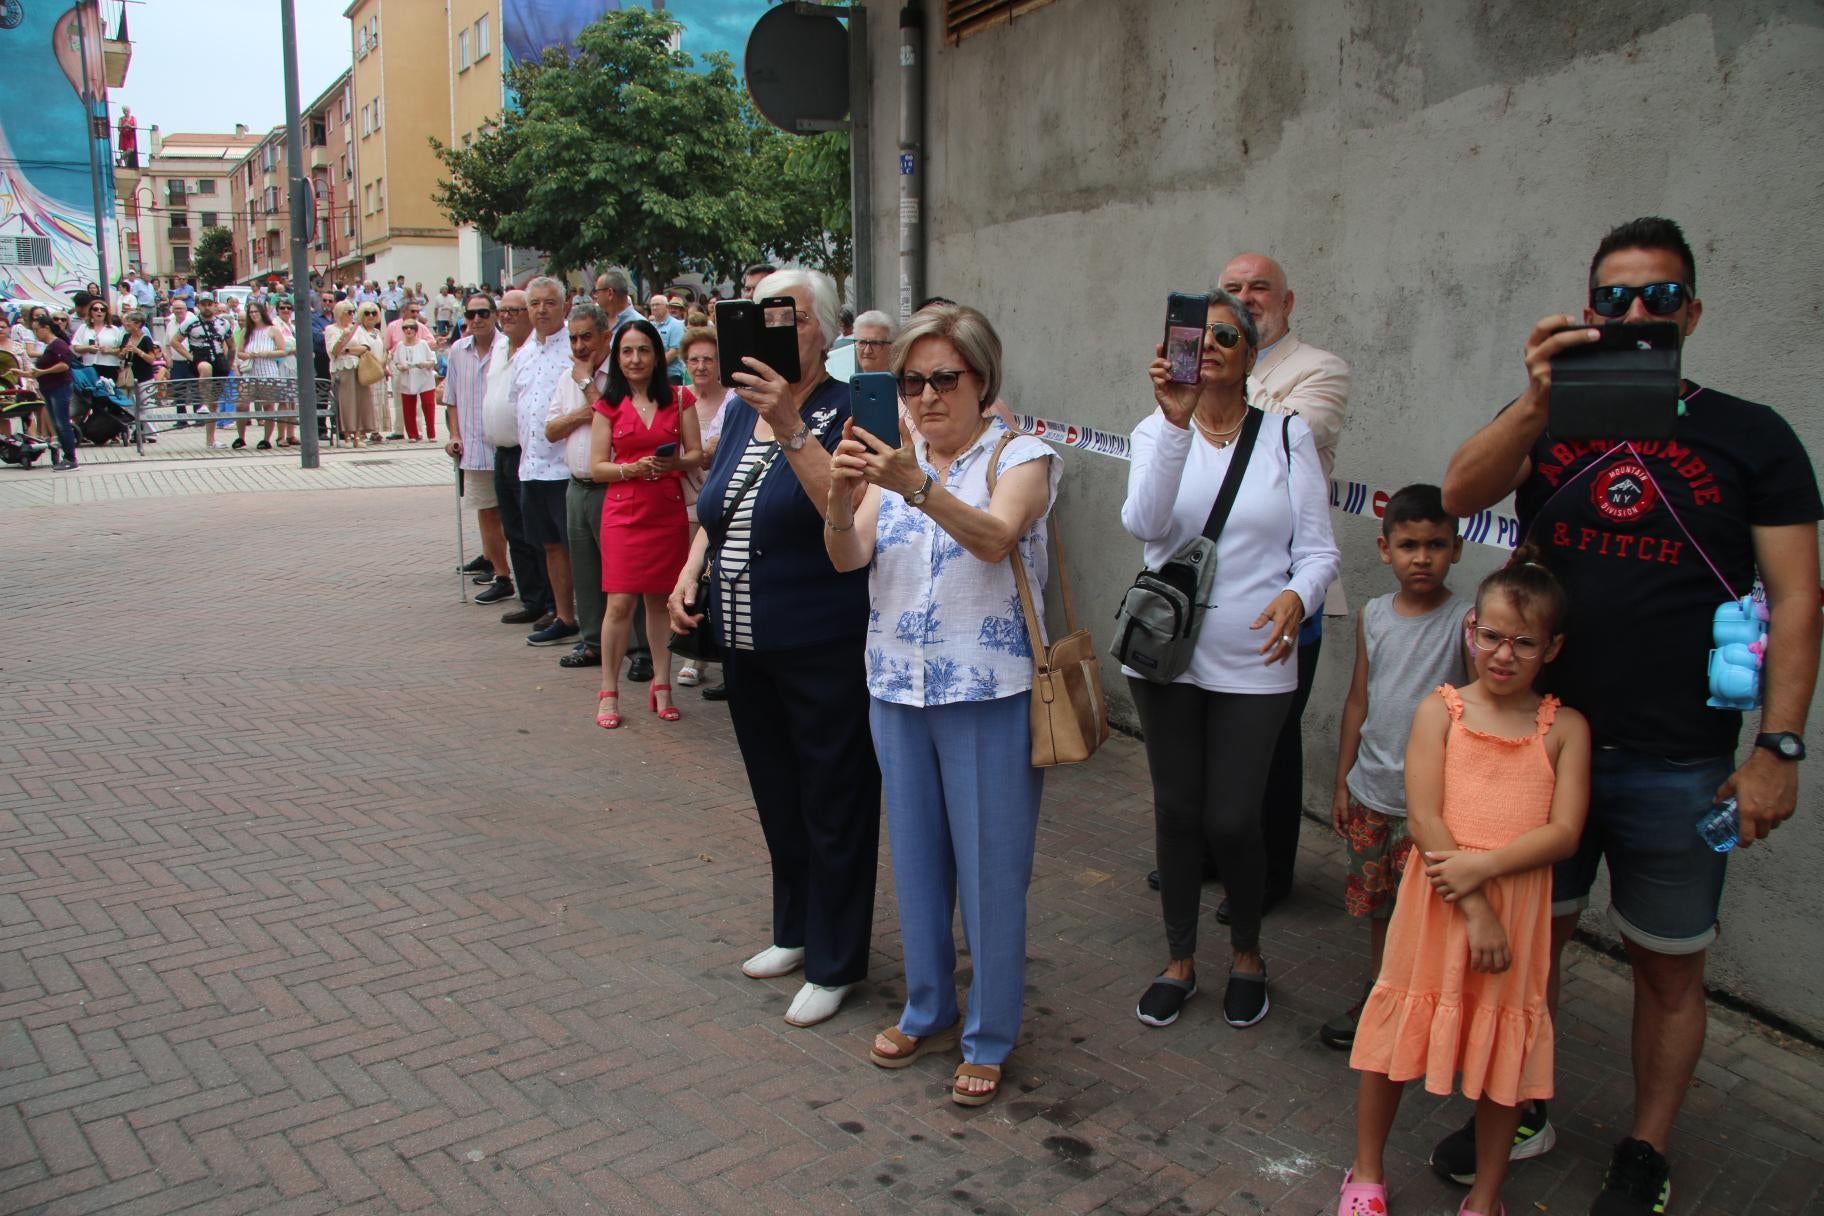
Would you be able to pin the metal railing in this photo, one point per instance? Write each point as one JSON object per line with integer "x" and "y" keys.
{"x": 224, "y": 400}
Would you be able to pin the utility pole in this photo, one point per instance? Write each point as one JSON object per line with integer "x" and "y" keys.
{"x": 303, "y": 204}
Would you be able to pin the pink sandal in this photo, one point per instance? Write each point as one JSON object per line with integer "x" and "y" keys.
{"x": 607, "y": 719}
{"x": 1361, "y": 1198}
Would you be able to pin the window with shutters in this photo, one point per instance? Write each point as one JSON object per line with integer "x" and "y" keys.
{"x": 965, "y": 18}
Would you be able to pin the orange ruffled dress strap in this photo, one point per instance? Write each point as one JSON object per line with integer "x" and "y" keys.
{"x": 1548, "y": 713}
{"x": 1453, "y": 701}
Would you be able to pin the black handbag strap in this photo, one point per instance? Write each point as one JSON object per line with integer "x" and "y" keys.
{"x": 720, "y": 531}
{"x": 1238, "y": 467}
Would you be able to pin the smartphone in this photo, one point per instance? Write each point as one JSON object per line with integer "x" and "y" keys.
{"x": 779, "y": 337}
{"x": 874, "y": 403}
{"x": 1186, "y": 315}
{"x": 737, "y": 337}
{"x": 666, "y": 450}
{"x": 1622, "y": 386}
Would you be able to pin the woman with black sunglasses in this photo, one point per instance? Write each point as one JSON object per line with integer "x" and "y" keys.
{"x": 1210, "y": 733}
{"x": 55, "y": 383}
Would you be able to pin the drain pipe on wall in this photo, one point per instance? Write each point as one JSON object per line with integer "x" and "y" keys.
{"x": 911, "y": 155}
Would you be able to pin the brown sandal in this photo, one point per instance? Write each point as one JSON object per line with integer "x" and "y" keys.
{"x": 907, "y": 1049}
{"x": 980, "y": 1072}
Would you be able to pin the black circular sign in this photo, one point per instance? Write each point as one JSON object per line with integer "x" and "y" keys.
{"x": 797, "y": 68}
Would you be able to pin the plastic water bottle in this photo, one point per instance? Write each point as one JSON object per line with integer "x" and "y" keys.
{"x": 1721, "y": 828}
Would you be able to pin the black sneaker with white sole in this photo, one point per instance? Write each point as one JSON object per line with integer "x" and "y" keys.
{"x": 1639, "y": 1182}
{"x": 1163, "y": 999}
{"x": 1245, "y": 1001}
{"x": 1454, "y": 1157}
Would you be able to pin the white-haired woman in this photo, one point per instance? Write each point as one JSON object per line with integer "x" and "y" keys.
{"x": 794, "y": 631}
{"x": 357, "y": 404}
{"x": 949, "y": 669}
{"x": 873, "y": 341}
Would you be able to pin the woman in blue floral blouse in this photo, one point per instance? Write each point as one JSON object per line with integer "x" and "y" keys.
{"x": 949, "y": 668}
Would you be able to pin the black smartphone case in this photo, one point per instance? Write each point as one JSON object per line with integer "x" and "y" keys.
{"x": 1624, "y": 386}
{"x": 779, "y": 343}
{"x": 737, "y": 337}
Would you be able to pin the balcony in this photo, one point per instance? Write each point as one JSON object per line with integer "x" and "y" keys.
{"x": 179, "y": 232}
{"x": 319, "y": 158}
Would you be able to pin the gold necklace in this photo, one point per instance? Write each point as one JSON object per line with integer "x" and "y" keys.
{"x": 1221, "y": 439}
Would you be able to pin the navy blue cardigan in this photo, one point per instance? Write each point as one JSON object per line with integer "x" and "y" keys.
{"x": 798, "y": 597}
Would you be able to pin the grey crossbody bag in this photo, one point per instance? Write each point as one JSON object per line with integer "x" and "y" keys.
{"x": 1156, "y": 625}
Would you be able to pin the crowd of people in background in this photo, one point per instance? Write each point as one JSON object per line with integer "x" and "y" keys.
{"x": 858, "y": 592}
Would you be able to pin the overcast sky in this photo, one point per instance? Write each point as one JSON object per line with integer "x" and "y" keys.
{"x": 204, "y": 65}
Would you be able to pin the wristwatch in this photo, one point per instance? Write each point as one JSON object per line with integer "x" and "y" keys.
{"x": 917, "y": 498}
{"x": 793, "y": 443}
{"x": 1782, "y": 743}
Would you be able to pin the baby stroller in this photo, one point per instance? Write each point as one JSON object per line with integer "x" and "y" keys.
{"x": 101, "y": 409}
{"x": 17, "y": 404}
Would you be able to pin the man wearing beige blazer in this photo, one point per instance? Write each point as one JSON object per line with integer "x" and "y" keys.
{"x": 1290, "y": 377}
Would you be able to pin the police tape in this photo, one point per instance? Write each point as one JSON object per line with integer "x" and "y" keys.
{"x": 1490, "y": 528}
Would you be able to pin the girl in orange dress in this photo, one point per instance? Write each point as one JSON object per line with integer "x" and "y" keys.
{"x": 1497, "y": 784}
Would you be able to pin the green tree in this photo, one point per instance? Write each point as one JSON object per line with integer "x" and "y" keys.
{"x": 618, "y": 152}
{"x": 213, "y": 259}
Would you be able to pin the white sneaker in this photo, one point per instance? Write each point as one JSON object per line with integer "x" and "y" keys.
{"x": 219, "y": 445}
{"x": 815, "y": 1003}
{"x": 773, "y": 962}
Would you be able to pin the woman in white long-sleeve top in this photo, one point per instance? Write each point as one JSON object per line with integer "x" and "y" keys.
{"x": 1210, "y": 733}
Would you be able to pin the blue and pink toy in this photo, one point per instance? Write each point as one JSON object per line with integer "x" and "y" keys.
{"x": 1740, "y": 633}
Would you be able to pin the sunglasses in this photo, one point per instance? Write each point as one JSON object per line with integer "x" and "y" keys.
{"x": 473, "y": 313}
{"x": 1225, "y": 335}
{"x": 1661, "y": 299}
{"x": 912, "y": 385}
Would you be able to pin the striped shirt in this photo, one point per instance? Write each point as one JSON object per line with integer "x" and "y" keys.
{"x": 736, "y": 607}
{"x": 465, "y": 388}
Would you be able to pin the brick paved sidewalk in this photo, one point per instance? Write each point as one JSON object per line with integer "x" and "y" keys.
{"x": 319, "y": 892}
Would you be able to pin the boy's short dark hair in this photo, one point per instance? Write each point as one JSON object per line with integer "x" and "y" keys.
{"x": 1648, "y": 232}
{"x": 1416, "y": 504}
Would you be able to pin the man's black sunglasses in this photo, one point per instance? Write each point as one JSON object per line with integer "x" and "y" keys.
{"x": 472, "y": 313}
{"x": 1661, "y": 299}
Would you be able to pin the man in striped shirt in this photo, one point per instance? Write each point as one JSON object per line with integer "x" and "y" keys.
{"x": 465, "y": 387}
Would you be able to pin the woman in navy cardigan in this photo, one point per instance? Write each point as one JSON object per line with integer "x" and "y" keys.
{"x": 793, "y": 629}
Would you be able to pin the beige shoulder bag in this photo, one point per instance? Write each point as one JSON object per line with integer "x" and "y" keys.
{"x": 1069, "y": 714}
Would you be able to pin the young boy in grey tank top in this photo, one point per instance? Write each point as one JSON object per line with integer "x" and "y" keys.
{"x": 1406, "y": 644}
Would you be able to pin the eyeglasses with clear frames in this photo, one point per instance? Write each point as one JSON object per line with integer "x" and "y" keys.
{"x": 1490, "y": 640}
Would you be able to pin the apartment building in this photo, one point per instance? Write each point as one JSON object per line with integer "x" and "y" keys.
{"x": 477, "y": 94}
{"x": 262, "y": 207}
{"x": 402, "y": 98}
{"x": 184, "y": 188}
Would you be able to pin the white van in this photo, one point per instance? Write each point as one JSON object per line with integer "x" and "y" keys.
{"x": 240, "y": 294}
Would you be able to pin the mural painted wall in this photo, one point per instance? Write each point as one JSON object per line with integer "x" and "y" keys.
{"x": 46, "y": 192}
{"x": 531, "y": 26}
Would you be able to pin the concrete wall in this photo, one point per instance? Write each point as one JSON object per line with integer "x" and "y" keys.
{"x": 1435, "y": 178}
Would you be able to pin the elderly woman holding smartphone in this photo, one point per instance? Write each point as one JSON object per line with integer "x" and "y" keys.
{"x": 1210, "y": 733}
{"x": 793, "y": 630}
{"x": 949, "y": 668}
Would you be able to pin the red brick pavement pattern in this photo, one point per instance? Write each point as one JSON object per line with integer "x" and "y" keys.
{"x": 321, "y": 892}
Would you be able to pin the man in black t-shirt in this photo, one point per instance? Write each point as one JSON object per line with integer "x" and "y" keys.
{"x": 1650, "y": 537}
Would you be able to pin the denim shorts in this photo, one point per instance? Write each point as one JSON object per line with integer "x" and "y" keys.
{"x": 1665, "y": 883}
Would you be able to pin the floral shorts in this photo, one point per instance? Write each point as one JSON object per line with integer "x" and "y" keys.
{"x": 1378, "y": 851}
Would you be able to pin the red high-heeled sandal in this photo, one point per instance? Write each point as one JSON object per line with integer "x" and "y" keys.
{"x": 670, "y": 712}
{"x": 607, "y": 719}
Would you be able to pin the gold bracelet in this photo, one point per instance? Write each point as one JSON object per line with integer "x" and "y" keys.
{"x": 831, "y": 525}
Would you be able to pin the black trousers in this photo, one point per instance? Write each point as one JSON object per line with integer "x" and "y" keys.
{"x": 1282, "y": 806}
{"x": 801, "y": 720}
{"x": 1208, "y": 753}
{"x": 526, "y": 558}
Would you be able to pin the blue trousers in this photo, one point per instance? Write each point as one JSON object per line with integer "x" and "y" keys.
{"x": 58, "y": 401}
{"x": 962, "y": 815}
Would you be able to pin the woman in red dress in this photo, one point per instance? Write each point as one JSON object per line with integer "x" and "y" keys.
{"x": 645, "y": 532}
